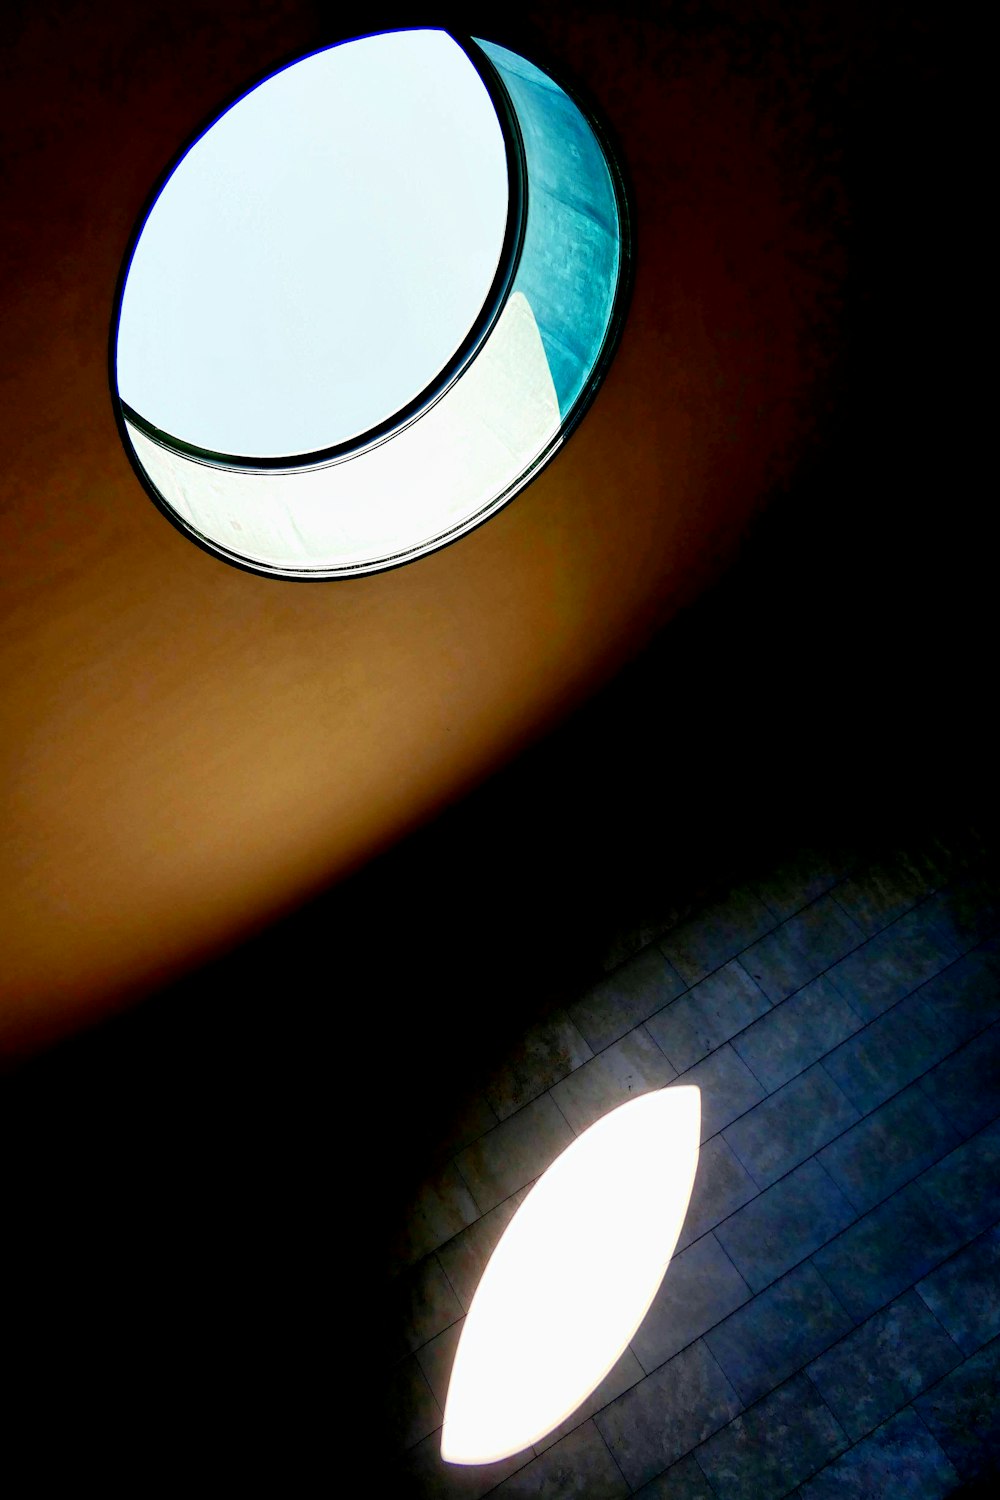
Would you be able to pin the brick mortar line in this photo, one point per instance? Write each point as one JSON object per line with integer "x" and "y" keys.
{"x": 774, "y": 1007}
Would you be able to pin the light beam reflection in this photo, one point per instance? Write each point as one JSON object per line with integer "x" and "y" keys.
{"x": 573, "y": 1276}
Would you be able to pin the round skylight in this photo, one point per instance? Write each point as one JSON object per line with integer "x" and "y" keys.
{"x": 367, "y": 303}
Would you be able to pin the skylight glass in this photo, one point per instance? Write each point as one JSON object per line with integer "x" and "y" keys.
{"x": 320, "y": 253}
{"x": 368, "y": 303}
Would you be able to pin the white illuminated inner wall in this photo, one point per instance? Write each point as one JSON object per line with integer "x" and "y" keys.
{"x": 573, "y": 1277}
{"x": 434, "y": 477}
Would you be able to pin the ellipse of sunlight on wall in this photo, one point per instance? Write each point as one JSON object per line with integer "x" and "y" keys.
{"x": 573, "y": 1277}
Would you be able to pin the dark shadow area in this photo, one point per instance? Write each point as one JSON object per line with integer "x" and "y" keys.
{"x": 978, "y": 1489}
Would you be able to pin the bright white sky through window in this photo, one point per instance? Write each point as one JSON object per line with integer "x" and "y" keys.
{"x": 320, "y": 254}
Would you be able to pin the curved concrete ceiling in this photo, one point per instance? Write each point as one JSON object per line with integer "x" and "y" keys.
{"x": 190, "y": 749}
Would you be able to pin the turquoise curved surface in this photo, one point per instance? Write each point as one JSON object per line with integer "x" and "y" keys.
{"x": 571, "y": 259}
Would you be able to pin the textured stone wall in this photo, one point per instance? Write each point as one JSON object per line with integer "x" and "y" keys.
{"x": 830, "y": 1324}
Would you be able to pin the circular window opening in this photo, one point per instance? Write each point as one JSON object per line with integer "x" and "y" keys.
{"x": 368, "y": 303}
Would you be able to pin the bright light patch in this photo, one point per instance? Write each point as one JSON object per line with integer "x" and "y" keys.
{"x": 573, "y": 1276}
{"x": 321, "y": 251}
{"x": 425, "y": 482}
